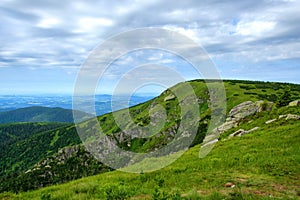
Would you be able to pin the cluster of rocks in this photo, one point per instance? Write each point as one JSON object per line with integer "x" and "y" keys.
{"x": 286, "y": 117}
{"x": 240, "y": 112}
{"x": 235, "y": 116}
{"x": 241, "y": 132}
{"x": 59, "y": 158}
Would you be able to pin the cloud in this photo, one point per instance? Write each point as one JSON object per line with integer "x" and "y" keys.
{"x": 60, "y": 34}
{"x": 255, "y": 28}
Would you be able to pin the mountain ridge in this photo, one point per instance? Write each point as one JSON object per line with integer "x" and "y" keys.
{"x": 40, "y": 114}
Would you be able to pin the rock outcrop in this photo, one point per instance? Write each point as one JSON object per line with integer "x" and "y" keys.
{"x": 241, "y": 132}
{"x": 294, "y": 103}
{"x": 240, "y": 112}
{"x": 270, "y": 121}
{"x": 292, "y": 116}
{"x": 235, "y": 116}
{"x": 170, "y": 97}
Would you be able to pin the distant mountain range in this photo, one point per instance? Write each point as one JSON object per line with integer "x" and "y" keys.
{"x": 102, "y": 102}
{"x": 40, "y": 114}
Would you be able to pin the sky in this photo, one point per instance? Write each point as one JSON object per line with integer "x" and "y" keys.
{"x": 44, "y": 44}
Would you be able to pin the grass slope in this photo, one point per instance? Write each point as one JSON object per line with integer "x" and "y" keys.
{"x": 264, "y": 164}
{"x": 42, "y": 145}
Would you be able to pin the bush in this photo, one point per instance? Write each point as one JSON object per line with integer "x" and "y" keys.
{"x": 116, "y": 192}
{"x": 284, "y": 99}
{"x": 247, "y": 87}
{"x": 162, "y": 195}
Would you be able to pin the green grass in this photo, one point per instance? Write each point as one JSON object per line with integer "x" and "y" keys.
{"x": 264, "y": 164}
{"x": 251, "y": 162}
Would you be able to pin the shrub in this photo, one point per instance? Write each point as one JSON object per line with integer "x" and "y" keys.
{"x": 284, "y": 99}
{"x": 162, "y": 195}
{"x": 247, "y": 87}
{"x": 116, "y": 192}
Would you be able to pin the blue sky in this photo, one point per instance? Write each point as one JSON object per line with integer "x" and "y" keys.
{"x": 44, "y": 43}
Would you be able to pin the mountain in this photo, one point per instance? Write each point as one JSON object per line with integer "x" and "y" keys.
{"x": 257, "y": 153}
{"x": 40, "y": 114}
{"x": 102, "y": 101}
{"x": 24, "y": 144}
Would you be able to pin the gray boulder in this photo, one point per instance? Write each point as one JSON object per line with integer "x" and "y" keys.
{"x": 294, "y": 103}
{"x": 235, "y": 115}
{"x": 292, "y": 116}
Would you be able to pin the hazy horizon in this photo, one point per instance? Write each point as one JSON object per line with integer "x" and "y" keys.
{"x": 141, "y": 94}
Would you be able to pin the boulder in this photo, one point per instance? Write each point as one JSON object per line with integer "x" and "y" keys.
{"x": 270, "y": 121}
{"x": 282, "y": 116}
{"x": 249, "y": 131}
{"x": 242, "y": 110}
{"x": 210, "y": 142}
{"x": 229, "y": 184}
{"x": 292, "y": 116}
{"x": 237, "y": 132}
{"x": 170, "y": 97}
{"x": 294, "y": 103}
{"x": 247, "y": 108}
{"x": 226, "y": 126}
{"x": 241, "y": 132}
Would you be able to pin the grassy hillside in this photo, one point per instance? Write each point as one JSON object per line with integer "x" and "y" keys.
{"x": 39, "y": 114}
{"x": 39, "y": 147}
{"x": 264, "y": 164}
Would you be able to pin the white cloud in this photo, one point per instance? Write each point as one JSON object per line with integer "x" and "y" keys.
{"x": 255, "y": 28}
{"x": 88, "y": 24}
{"x": 48, "y": 22}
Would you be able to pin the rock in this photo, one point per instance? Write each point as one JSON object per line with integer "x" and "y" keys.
{"x": 242, "y": 110}
{"x": 270, "y": 121}
{"x": 237, "y": 132}
{"x": 170, "y": 97}
{"x": 291, "y": 116}
{"x": 237, "y": 114}
{"x": 229, "y": 184}
{"x": 210, "y": 142}
{"x": 247, "y": 108}
{"x": 241, "y": 132}
{"x": 226, "y": 126}
{"x": 249, "y": 131}
{"x": 294, "y": 103}
{"x": 282, "y": 116}
{"x": 269, "y": 106}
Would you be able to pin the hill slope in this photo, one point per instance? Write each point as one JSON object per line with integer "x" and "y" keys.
{"x": 263, "y": 164}
{"x": 42, "y": 146}
{"x": 39, "y": 114}
{"x": 24, "y": 144}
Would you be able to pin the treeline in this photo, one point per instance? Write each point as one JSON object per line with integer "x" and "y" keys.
{"x": 21, "y": 154}
{"x": 54, "y": 171}
{"x": 10, "y": 133}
